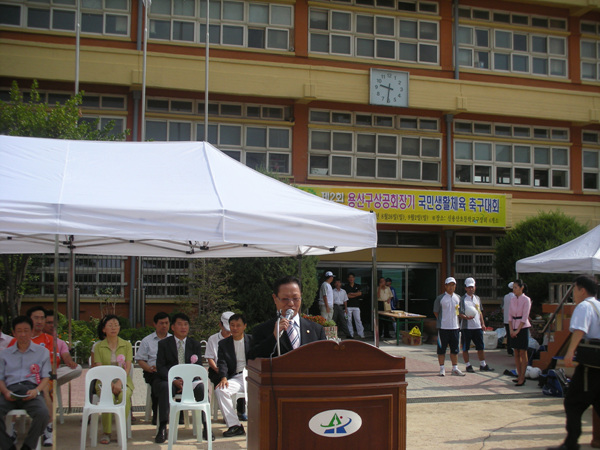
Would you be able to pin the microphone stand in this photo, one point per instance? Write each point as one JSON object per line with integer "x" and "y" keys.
{"x": 278, "y": 334}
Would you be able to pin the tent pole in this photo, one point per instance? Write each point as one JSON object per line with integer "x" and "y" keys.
{"x": 374, "y": 302}
{"x": 54, "y": 337}
{"x": 70, "y": 302}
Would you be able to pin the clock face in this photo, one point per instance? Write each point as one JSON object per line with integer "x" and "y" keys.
{"x": 389, "y": 87}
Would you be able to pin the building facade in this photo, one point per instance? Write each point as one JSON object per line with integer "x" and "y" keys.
{"x": 489, "y": 110}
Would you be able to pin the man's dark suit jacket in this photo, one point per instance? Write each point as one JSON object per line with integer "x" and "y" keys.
{"x": 226, "y": 359}
{"x": 264, "y": 342}
{"x": 167, "y": 354}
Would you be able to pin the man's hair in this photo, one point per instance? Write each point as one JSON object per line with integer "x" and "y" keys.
{"x": 22, "y": 319}
{"x": 33, "y": 309}
{"x": 160, "y": 316}
{"x": 588, "y": 283}
{"x": 238, "y": 316}
{"x": 289, "y": 279}
{"x": 49, "y": 312}
{"x": 351, "y": 274}
{"x": 181, "y": 316}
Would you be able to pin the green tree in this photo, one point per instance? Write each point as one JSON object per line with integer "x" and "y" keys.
{"x": 209, "y": 296}
{"x": 34, "y": 118}
{"x": 253, "y": 278}
{"x": 530, "y": 237}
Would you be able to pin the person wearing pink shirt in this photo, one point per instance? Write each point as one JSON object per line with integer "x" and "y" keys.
{"x": 518, "y": 320}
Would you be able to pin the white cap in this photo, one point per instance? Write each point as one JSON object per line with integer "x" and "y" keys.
{"x": 510, "y": 285}
{"x": 225, "y": 319}
{"x": 329, "y": 274}
{"x": 450, "y": 280}
{"x": 469, "y": 282}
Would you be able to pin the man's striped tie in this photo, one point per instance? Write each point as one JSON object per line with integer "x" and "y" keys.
{"x": 293, "y": 335}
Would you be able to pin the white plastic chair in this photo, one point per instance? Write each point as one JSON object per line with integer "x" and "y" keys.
{"x": 148, "y": 412}
{"x": 105, "y": 375}
{"x": 187, "y": 372}
{"x": 19, "y": 413}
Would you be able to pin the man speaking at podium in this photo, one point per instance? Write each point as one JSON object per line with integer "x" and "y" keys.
{"x": 295, "y": 331}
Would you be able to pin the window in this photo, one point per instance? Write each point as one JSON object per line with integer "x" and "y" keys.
{"x": 165, "y": 277}
{"x": 233, "y": 23}
{"x": 258, "y": 146}
{"x": 375, "y": 149}
{"x": 94, "y": 275}
{"x": 408, "y": 239}
{"x": 590, "y": 59}
{"x": 362, "y": 35}
{"x": 481, "y": 267}
{"x": 591, "y": 160}
{"x": 504, "y": 162}
{"x": 505, "y": 50}
{"x": 104, "y": 17}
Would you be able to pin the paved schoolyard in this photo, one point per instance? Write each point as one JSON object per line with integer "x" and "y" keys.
{"x": 480, "y": 410}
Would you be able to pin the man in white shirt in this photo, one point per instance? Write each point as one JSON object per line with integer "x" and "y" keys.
{"x": 340, "y": 308}
{"x": 505, "y": 307}
{"x": 326, "y": 297}
{"x": 212, "y": 347}
{"x": 445, "y": 308}
{"x": 584, "y": 388}
{"x": 146, "y": 354}
{"x": 472, "y": 327}
{"x": 233, "y": 355}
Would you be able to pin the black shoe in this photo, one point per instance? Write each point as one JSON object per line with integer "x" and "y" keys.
{"x": 236, "y": 430}
{"x": 485, "y": 368}
{"x": 565, "y": 447}
{"x": 162, "y": 434}
{"x": 243, "y": 417}
{"x": 470, "y": 369}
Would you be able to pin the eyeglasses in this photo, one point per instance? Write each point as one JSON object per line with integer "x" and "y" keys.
{"x": 290, "y": 300}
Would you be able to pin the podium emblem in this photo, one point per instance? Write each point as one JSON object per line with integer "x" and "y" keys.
{"x": 335, "y": 423}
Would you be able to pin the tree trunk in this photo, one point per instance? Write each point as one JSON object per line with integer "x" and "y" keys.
{"x": 15, "y": 272}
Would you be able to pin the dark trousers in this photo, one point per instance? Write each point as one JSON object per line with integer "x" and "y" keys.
{"x": 162, "y": 388}
{"x": 578, "y": 399}
{"x": 149, "y": 378}
{"x": 340, "y": 319}
{"x": 509, "y": 349}
{"x": 36, "y": 409}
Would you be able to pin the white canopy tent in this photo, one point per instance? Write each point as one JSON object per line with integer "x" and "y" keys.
{"x": 581, "y": 255}
{"x": 161, "y": 199}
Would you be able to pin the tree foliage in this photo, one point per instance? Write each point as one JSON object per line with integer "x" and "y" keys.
{"x": 253, "y": 280}
{"x": 210, "y": 296}
{"x": 33, "y": 118}
{"x": 530, "y": 237}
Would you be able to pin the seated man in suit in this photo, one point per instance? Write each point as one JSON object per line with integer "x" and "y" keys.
{"x": 233, "y": 354}
{"x": 173, "y": 350}
{"x": 146, "y": 355}
{"x": 295, "y": 332}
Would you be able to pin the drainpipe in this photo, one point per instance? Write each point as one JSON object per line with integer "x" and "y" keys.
{"x": 455, "y": 32}
{"x": 138, "y": 40}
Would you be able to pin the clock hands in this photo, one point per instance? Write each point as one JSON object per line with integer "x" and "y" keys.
{"x": 389, "y": 89}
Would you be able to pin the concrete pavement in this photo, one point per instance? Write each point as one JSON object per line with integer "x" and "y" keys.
{"x": 480, "y": 410}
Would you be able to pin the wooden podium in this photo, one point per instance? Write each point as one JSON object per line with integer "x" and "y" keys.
{"x": 315, "y": 397}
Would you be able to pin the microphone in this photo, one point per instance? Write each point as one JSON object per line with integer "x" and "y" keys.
{"x": 288, "y": 314}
